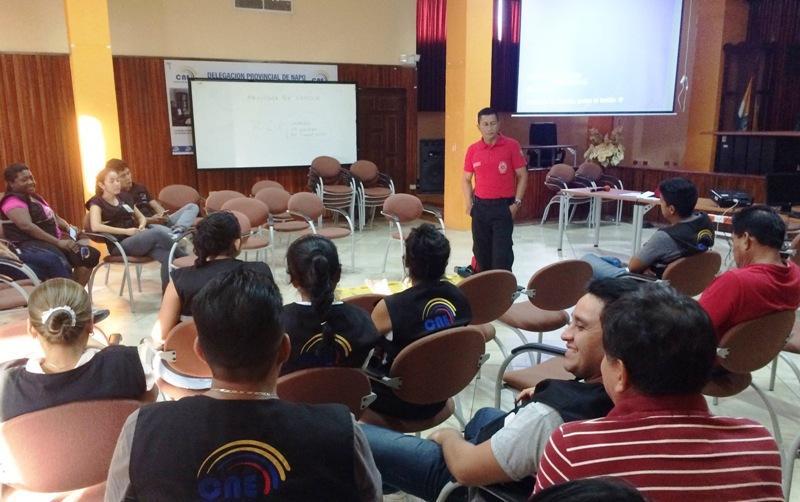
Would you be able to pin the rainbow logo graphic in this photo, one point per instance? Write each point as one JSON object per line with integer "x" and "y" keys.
{"x": 244, "y": 469}
{"x": 341, "y": 342}
{"x": 438, "y": 314}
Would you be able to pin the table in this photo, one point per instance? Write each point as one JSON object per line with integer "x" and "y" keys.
{"x": 641, "y": 205}
{"x": 572, "y": 149}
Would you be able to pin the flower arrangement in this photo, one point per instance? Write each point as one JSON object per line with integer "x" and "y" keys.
{"x": 605, "y": 150}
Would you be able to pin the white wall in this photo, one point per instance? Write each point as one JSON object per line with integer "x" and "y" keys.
{"x": 33, "y": 26}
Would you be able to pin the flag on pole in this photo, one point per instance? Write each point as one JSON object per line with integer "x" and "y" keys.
{"x": 743, "y": 115}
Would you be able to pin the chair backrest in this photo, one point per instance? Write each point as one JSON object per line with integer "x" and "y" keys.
{"x": 181, "y": 339}
{"x": 564, "y": 172}
{"x": 751, "y": 345}
{"x": 590, "y": 171}
{"x": 257, "y": 211}
{"x": 793, "y": 345}
{"x": 347, "y": 386}
{"x": 366, "y": 301}
{"x": 277, "y": 199}
{"x": 307, "y": 204}
{"x": 244, "y": 222}
{"x": 260, "y": 185}
{"x": 364, "y": 170}
{"x": 691, "y": 275}
{"x": 438, "y": 366}
{"x": 490, "y": 294}
{"x": 403, "y": 206}
{"x": 326, "y": 167}
{"x": 216, "y": 199}
{"x": 65, "y": 447}
{"x": 560, "y": 285}
{"x": 174, "y": 197}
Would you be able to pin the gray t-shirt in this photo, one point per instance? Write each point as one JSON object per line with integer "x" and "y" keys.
{"x": 518, "y": 446}
{"x": 661, "y": 248}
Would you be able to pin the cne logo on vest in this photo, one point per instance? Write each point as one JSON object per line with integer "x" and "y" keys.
{"x": 343, "y": 347}
{"x": 241, "y": 470}
{"x": 438, "y": 314}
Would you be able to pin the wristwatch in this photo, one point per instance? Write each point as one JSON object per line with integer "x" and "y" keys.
{"x": 517, "y": 201}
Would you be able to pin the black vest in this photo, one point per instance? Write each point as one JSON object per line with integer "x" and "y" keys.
{"x": 115, "y": 216}
{"x": 205, "y": 449}
{"x": 693, "y": 237}
{"x": 141, "y": 197}
{"x": 422, "y": 310}
{"x": 38, "y": 217}
{"x": 113, "y": 373}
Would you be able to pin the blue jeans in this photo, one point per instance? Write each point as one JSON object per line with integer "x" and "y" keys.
{"x": 602, "y": 268}
{"x": 44, "y": 261}
{"x": 413, "y": 465}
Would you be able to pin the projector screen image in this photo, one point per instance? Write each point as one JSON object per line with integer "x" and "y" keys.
{"x": 610, "y": 57}
{"x": 240, "y": 124}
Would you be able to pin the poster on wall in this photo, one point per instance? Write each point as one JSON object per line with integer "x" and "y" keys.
{"x": 177, "y": 73}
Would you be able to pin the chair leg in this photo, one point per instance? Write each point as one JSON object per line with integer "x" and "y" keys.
{"x": 524, "y": 340}
{"x": 772, "y": 373}
{"x": 127, "y": 277}
{"x": 448, "y": 490}
{"x": 108, "y": 271}
{"x": 139, "y": 277}
{"x": 619, "y": 212}
{"x": 500, "y": 346}
{"x": 386, "y": 254}
{"x": 776, "y": 426}
{"x": 554, "y": 200}
{"x": 91, "y": 280}
{"x": 791, "y": 364}
{"x": 124, "y": 277}
{"x": 789, "y": 457}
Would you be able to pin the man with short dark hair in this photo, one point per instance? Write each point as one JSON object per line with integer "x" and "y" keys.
{"x": 689, "y": 232}
{"x": 239, "y": 440}
{"x": 498, "y": 447}
{"x": 763, "y": 281}
{"x": 155, "y": 213}
{"x": 660, "y": 437}
{"x": 497, "y": 163}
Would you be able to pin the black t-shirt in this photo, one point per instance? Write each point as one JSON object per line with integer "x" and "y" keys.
{"x": 120, "y": 216}
{"x": 355, "y": 336}
{"x": 141, "y": 197}
{"x": 190, "y": 280}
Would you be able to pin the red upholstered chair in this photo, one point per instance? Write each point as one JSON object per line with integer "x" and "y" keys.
{"x": 180, "y": 358}
{"x": 308, "y": 207}
{"x": 65, "y": 448}
{"x": 366, "y": 301}
{"x": 399, "y": 209}
{"x": 373, "y": 188}
{"x": 121, "y": 259}
{"x": 217, "y": 198}
{"x": 257, "y": 213}
{"x": 333, "y": 185}
{"x": 262, "y": 184}
{"x": 347, "y": 386}
{"x": 432, "y": 369}
{"x": 559, "y": 177}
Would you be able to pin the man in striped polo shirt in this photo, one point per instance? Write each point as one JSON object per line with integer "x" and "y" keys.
{"x": 660, "y": 436}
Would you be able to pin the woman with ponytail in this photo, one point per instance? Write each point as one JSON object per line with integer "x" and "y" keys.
{"x": 431, "y": 304}
{"x": 323, "y": 331}
{"x": 217, "y": 241}
{"x": 60, "y": 319}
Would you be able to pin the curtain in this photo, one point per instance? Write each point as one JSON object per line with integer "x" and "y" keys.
{"x": 505, "y": 55}
{"x": 431, "y": 47}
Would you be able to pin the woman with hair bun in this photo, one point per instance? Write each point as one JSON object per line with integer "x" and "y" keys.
{"x": 217, "y": 241}
{"x": 323, "y": 331}
{"x": 431, "y": 304}
{"x": 60, "y": 319}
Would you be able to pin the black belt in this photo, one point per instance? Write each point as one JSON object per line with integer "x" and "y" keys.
{"x": 504, "y": 201}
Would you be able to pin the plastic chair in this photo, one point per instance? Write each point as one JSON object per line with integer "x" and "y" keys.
{"x": 180, "y": 358}
{"x": 592, "y": 174}
{"x": 490, "y": 294}
{"x": 562, "y": 176}
{"x": 373, "y": 188}
{"x": 216, "y": 199}
{"x": 347, "y": 386}
{"x": 257, "y": 213}
{"x": 551, "y": 290}
{"x": 366, "y": 301}
{"x": 745, "y": 348}
{"x": 309, "y": 207}
{"x": 121, "y": 259}
{"x": 262, "y": 184}
{"x": 63, "y": 449}
{"x": 430, "y": 370}
{"x": 403, "y": 208}
{"x": 333, "y": 185}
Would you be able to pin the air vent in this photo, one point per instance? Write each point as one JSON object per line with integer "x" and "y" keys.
{"x": 269, "y": 5}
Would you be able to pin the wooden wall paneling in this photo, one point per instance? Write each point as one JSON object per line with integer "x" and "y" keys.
{"x": 536, "y": 198}
{"x": 38, "y": 127}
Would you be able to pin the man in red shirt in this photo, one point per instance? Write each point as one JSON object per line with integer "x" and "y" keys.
{"x": 498, "y": 165}
{"x": 763, "y": 283}
{"x": 660, "y": 437}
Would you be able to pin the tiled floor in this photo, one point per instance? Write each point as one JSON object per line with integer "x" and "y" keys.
{"x": 534, "y": 248}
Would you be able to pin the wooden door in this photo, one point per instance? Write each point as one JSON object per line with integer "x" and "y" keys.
{"x": 382, "y": 132}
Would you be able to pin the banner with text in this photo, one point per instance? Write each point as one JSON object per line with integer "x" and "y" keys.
{"x": 178, "y": 72}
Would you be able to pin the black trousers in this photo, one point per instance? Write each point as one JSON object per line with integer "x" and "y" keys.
{"x": 492, "y": 226}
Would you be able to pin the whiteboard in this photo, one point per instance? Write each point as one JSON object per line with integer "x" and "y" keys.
{"x": 243, "y": 124}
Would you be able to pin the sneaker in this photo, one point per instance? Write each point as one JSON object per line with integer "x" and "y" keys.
{"x": 177, "y": 232}
{"x": 464, "y": 271}
{"x": 99, "y": 314}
